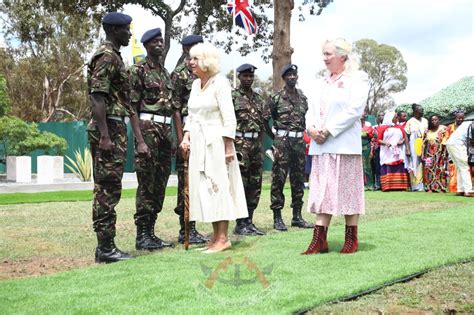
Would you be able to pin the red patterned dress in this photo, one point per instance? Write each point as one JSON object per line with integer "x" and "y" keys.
{"x": 435, "y": 160}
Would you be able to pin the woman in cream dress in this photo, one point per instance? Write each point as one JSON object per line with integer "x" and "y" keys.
{"x": 216, "y": 192}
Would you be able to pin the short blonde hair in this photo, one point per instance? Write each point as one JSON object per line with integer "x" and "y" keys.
{"x": 207, "y": 57}
{"x": 344, "y": 48}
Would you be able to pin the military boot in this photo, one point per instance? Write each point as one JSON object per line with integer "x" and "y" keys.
{"x": 242, "y": 227}
{"x": 144, "y": 240}
{"x": 298, "y": 220}
{"x": 252, "y": 226}
{"x": 107, "y": 252}
{"x": 278, "y": 223}
{"x": 155, "y": 238}
{"x": 194, "y": 236}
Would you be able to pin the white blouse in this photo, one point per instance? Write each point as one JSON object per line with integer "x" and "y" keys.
{"x": 338, "y": 106}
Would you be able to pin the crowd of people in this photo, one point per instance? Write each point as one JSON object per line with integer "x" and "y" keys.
{"x": 220, "y": 135}
{"x": 413, "y": 154}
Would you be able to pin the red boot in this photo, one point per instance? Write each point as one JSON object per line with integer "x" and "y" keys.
{"x": 319, "y": 243}
{"x": 350, "y": 244}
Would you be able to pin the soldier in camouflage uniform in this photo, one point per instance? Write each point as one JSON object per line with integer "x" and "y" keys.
{"x": 183, "y": 78}
{"x": 109, "y": 87}
{"x": 288, "y": 108}
{"x": 251, "y": 114}
{"x": 152, "y": 97}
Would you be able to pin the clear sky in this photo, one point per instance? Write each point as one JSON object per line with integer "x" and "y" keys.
{"x": 434, "y": 37}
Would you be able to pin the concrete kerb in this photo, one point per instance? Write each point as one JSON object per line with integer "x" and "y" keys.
{"x": 69, "y": 182}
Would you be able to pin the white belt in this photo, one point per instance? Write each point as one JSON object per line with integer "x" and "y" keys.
{"x": 117, "y": 118}
{"x": 246, "y": 134}
{"x": 291, "y": 134}
{"x": 155, "y": 118}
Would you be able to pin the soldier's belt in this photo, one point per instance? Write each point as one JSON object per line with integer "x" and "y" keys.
{"x": 117, "y": 118}
{"x": 246, "y": 134}
{"x": 156, "y": 118}
{"x": 289, "y": 133}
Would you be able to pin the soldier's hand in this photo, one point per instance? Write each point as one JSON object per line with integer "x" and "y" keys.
{"x": 143, "y": 149}
{"x": 184, "y": 148}
{"x": 105, "y": 145}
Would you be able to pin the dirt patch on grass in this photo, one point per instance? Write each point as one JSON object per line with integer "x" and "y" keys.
{"x": 446, "y": 290}
{"x": 12, "y": 269}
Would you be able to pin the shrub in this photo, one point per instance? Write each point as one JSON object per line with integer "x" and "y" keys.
{"x": 21, "y": 138}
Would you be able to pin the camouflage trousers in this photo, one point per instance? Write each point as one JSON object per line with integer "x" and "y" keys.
{"x": 250, "y": 156}
{"x": 108, "y": 172}
{"x": 179, "y": 210}
{"x": 289, "y": 155}
{"x": 152, "y": 172}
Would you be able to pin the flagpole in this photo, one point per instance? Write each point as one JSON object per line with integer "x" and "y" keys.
{"x": 233, "y": 45}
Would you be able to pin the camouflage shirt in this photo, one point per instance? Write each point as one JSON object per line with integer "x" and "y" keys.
{"x": 250, "y": 112}
{"x": 183, "y": 80}
{"x": 289, "y": 113}
{"x": 106, "y": 74}
{"x": 152, "y": 89}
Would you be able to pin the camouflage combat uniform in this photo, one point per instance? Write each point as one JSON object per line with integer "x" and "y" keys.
{"x": 152, "y": 97}
{"x": 288, "y": 115}
{"x": 182, "y": 79}
{"x": 106, "y": 74}
{"x": 251, "y": 114}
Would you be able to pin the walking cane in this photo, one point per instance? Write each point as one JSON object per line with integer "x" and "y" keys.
{"x": 186, "y": 200}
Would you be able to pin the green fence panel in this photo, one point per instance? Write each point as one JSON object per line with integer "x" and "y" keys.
{"x": 73, "y": 132}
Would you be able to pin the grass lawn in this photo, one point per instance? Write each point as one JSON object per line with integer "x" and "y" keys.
{"x": 402, "y": 233}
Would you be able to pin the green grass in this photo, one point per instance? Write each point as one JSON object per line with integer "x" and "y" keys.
{"x": 82, "y": 195}
{"x": 402, "y": 233}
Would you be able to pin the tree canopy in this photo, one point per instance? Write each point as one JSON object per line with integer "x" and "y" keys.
{"x": 387, "y": 72}
{"x": 43, "y": 64}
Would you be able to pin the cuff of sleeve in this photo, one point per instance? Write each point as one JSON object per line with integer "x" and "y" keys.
{"x": 331, "y": 131}
{"x": 228, "y": 133}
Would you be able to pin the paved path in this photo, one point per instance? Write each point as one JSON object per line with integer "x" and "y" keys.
{"x": 70, "y": 182}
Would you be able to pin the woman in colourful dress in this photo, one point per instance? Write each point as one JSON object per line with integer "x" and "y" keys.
{"x": 393, "y": 175}
{"x": 415, "y": 129}
{"x": 458, "y": 120}
{"x": 435, "y": 156}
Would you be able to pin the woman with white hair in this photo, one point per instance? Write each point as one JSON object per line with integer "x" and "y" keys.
{"x": 216, "y": 192}
{"x": 333, "y": 122}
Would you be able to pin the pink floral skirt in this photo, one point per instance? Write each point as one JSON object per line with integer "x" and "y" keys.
{"x": 336, "y": 185}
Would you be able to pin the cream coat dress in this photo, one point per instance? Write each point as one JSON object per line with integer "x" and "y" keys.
{"x": 216, "y": 192}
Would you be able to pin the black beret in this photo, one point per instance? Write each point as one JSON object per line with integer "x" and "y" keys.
{"x": 116, "y": 18}
{"x": 191, "y": 40}
{"x": 150, "y": 34}
{"x": 246, "y": 67}
{"x": 287, "y": 68}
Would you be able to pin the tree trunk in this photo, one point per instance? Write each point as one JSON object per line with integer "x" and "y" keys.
{"x": 282, "y": 50}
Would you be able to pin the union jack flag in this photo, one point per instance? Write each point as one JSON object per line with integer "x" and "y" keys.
{"x": 243, "y": 15}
